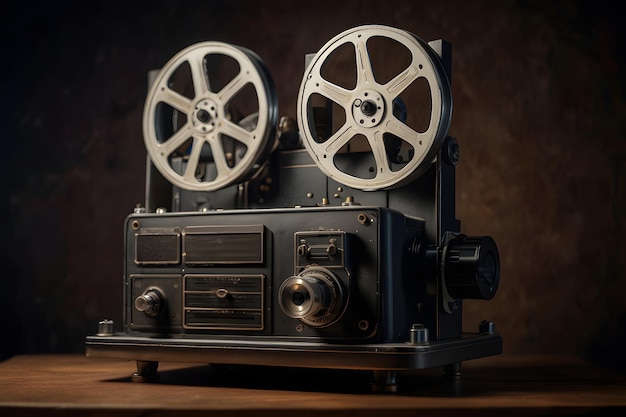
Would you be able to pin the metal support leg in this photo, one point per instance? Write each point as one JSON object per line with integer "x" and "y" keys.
{"x": 452, "y": 370}
{"x": 146, "y": 372}
{"x": 385, "y": 381}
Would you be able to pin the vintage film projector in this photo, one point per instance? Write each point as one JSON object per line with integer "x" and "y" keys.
{"x": 326, "y": 242}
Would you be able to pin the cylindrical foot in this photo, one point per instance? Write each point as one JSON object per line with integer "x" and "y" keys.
{"x": 452, "y": 370}
{"x": 385, "y": 381}
{"x": 146, "y": 372}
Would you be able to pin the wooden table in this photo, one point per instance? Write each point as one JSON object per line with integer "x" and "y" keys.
{"x": 54, "y": 385}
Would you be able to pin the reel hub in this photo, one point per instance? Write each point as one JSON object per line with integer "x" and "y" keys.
{"x": 205, "y": 116}
{"x": 368, "y": 108}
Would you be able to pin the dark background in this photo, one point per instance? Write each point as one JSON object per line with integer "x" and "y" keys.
{"x": 539, "y": 111}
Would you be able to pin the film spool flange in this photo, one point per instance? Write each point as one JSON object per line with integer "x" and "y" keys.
{"x": 192, "y": 138}
{"x": 370, "y": 110}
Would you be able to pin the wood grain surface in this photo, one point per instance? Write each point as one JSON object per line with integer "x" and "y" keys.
{"x": 35, "y": 385}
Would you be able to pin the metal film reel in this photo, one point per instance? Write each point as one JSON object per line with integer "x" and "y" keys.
{"x": 210, "y": 116}
{"x": 374, "y": 144}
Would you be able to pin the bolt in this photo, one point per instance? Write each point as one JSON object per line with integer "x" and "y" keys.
{"x": 452, "y": 151}
{"x": 418, "y": 334}
{"x": 105, "y": 328}
{"x": 204, "y": 116}
{"x": 368, "y": 108}
{"x": 487, "y": 327}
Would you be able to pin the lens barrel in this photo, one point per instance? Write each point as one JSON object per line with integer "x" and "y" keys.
{"x": 314, "y": 296}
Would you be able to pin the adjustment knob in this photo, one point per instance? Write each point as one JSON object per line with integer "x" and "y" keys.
{"x": 472, "y": 267}
{"x": 150, "y": 303}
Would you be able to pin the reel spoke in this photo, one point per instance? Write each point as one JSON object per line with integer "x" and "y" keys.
{"x": 194, "y": 158}
{"x": 199, "y": 77}
{"x": 219, "y": 156}
{"x": 237, "y": 132}
{"x": 174, "y": 99}
{"x": 335, "y": 93}
{"x": 398, "y": 84}
{"x": 365, "y": 74}
{"x": 175, "y": 141}
{"x": 233, "y": 87}
{"x": 401, "y": 130}
{"x": 338, "y": 140}
{"x": 380, "y": 156}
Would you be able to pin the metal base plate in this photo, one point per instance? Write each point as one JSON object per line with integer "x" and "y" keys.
{"x": 386, "y": 356}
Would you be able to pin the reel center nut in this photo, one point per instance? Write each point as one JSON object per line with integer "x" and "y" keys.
{"x": 204, "y": 115}
{"x": 368, "y": 108}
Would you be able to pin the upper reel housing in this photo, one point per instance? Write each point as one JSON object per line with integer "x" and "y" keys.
{"x": 370, "y": 126}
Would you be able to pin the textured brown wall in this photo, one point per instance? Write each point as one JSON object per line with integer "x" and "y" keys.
{"x": 539, "y": 112}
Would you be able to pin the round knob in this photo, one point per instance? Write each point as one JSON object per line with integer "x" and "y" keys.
{"x": 472, "y": 267}
{"x": 150, "y": 303}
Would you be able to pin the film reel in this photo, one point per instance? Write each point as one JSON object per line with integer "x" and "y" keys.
{"x": 372, "y": 142}
{"x": 209, "y": 117}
